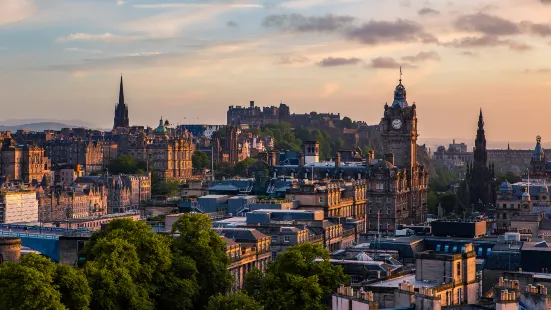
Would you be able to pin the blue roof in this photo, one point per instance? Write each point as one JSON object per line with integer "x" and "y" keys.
{"x": 506, "y": 186}
{"x": 400, "y": 96}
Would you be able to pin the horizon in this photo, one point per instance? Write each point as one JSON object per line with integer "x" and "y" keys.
{"x": 193, "y": 59}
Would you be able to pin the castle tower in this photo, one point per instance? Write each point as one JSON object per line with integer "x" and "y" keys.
{"x": 121, "y": 111}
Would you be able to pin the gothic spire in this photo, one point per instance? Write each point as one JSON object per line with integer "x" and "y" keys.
{"x": 121, "y": 94}
{"x": 480, "y": 121}
{"x": 480, "y": 153}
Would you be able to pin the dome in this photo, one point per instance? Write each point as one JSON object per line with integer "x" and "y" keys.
{"x": 525, "y": 195}
{"x": 161, "y": 129}
{"x": 506, "y": 186}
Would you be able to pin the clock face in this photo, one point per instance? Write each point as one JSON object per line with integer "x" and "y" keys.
{"x": 396, "y": 124}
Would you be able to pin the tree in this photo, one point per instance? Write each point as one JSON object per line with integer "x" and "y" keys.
{"x": 432, "y": 202}
{"x": 122, "y": 164}
{"x": 200, "y": 160}
{"x": 347, "y": 122}
{"x": 240, "y": 168}
{"x": 24, "y": 287}
{"x": 236, "y": 301}
{"x": 509, "y": 177}
{"x": 448, "y": 202}
{"x": 206, "y": 248}
{"x": 296, "y": 271}
{"x": 253, "y": 283}
{"x": 165, "y": 188}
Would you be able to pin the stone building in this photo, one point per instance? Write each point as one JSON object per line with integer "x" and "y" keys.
{"x": 396, "y": 186}
{"x": 23, "y": 162}
{"x": 18, "y": 207}
{"x": 127, "y": 192}
{"x": 86, "y": 153}
{"x": 168, "y": 156}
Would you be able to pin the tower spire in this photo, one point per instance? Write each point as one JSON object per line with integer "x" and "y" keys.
{"x": 400, "y": 74}
{"x": 121, "y": 93}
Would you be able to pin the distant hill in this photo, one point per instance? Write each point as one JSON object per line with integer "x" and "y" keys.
{"x": 40, "y": 126}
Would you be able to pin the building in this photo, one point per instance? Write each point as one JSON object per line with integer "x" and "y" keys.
{"x": 18, "y": 207}
{"x": 67, "y": 174}
{"x": 86, "y": 153}
{"x": 479, "y": 178}
{"x": 168, "y": 156}
{"x": 248, "y": 249}
{"x": 127, "y": 192}
{"x": 456, "y": 155}
{"x": 23, "y": 162}
{"x": 121, "y": 111}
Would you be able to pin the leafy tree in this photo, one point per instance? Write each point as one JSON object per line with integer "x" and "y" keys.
{"x": 24, "y": 287}
{"x": 253, "y": 282}
{"x": 509, "y": 177}
{"x": 223, "y": 169}
{"x": 236, "y": 301}
{"x": 295, "y": 271}
{"x": 122, "y": 164}
{"x": 200, "y": 160}
{"x": 165, "y": 188}
{"x": 432, "y": 202}
{"x": 448, "y": 202}
{"x": 206, "y": 248}
{"x": 241, "y": 167}
{"x": 347, "y": 122}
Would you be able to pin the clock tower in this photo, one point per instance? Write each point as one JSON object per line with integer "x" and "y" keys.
{"x": 399, "y": 131}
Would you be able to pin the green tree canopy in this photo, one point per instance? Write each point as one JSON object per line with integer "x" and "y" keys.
{"x": 200, "y": 160}
{"x": 347, "y": 122}
{"x": 126, "y": 164}
{"x": 240, "y": 168}
{"x": 199, "y": 243}
{"x": 165, "y": 188}
{"x": 295, "y": 271}
{"x": 236, "y": 301}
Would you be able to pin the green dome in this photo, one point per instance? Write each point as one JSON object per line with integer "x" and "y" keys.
{"x": 161, "y": 128}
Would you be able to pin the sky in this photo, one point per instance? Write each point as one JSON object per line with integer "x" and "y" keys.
{"x": 188, "y": 60}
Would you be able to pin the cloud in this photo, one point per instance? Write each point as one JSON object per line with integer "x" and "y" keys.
{"x": 143, "y": 54}
{"x": 388, "y": 63}
{"x": 486, "y": 24}
{"x": 301, "y": 23}
{"x": 469, "y": 53}
{"x": 428, "y": 11}
{"x": 401, "y": 30}
{"x": 422, "y": 56}
{"x": 79, "y": 36}
{"x": 232, "y": 24}
{"x": 545, "y": 1}
{"x": 196, "y": 5}
{"x": 542, "y": 30}
{"x": 537, "y": 71}
{"x": 82, "y": 50}
{"x": 12, "y": 11}
{"x": 289, "y": 60}
{"x": 487, "y": 41}
{"x": 121, "y": 2}
{"x": 338, "y": 61}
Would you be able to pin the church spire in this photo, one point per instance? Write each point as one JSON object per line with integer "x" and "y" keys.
{"x": 121, "y": 94}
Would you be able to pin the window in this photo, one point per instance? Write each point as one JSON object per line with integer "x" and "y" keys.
{"x": 438, "y": 248}
{"x": 504, "y": 215}
{"x": 286, "y": 239}
{"x": 480, "y": 251}
{"x": 458, "y": 269}
{"x": 512, "y": 206}
{"x": 488, "y": 251}
{"x": 446, "y": 248}
{"x": 274, "y": 238}
{"x": 455, "y": 248}
{"x": 321, "y": 199}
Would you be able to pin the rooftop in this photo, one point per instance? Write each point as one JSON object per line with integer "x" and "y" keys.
{"x": 411, "y": 278}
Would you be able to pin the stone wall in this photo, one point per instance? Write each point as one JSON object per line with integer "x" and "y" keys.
{"x": 10, "y": 249}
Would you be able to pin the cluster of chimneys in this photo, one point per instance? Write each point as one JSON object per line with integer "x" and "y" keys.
{"x": 508, "y": 295}
{"x": 540, "y": 289}
{"x": 512, "y": 284}
{"x": 406, "y": 286}
{"x": 427, "y": 291}
{"x": 360, "y": 294}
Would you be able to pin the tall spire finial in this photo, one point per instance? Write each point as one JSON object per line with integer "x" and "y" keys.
{"x": 400, "y": 74}
{"x": 121, "y": 93}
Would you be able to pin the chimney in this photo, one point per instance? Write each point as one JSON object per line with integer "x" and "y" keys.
{"x": 390, "y": 158}
{"x": 370, "y": 156}
{"x": 272, "y": 158}
{"x": 338, "y": 160}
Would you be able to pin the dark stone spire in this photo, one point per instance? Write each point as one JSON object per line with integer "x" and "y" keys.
{"x": 480, "y": 153}
{"x": 121, "y": 94}
{"x": 121, "y": 111}
{"x": 480, "y": 175}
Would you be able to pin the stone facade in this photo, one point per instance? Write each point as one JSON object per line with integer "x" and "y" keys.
{"x": 10, "y": 249}
{"x": 26, "y": 162}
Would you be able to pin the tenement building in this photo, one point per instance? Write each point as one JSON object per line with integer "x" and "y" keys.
{"x": 23, "y": 162}
{"x": 168, "y": 156}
